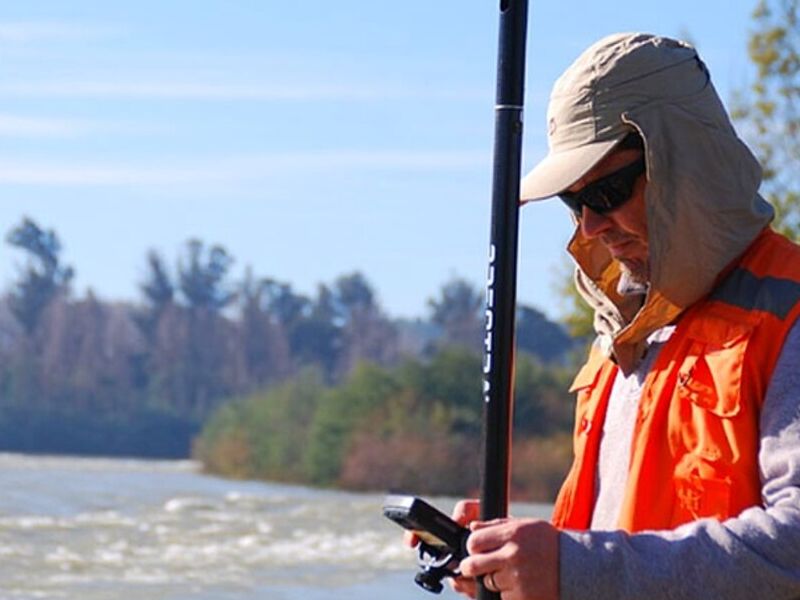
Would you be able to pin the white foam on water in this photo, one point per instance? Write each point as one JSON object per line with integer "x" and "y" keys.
{"x": 188, "y": 504}
{"x": 212, "y": 529}
{"x": 264, "y": 527}
{"x": 35, "y": 462}
{"x": 248, "y": 541}
{"x": 365, "y": 549}
{"x": 110, "y": 557}
{"x": 107, "y": 518}
{"x": 28, "y": 594}
{"x": 150, "y": 576}
{"x": 64, "y": 579}
{"x": 31, "y": 522}
{"x": 65, "y": 558}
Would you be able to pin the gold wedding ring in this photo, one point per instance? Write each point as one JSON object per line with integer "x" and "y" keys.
{"x": 489, "y": 583}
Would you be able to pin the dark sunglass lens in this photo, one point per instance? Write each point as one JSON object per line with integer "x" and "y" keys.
{"x": 605, "y": 194}
{"x": 572, "y": 203}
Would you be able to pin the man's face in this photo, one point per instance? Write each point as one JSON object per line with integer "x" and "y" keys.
{"x": 623, "y": 230}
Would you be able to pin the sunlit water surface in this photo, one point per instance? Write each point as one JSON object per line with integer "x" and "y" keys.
{"x": 102, "y": 529}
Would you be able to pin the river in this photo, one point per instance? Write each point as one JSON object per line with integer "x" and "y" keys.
{"x": 102, "y": 529}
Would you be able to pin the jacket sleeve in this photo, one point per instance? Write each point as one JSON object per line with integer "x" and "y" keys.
{"x": 755, "y": 555}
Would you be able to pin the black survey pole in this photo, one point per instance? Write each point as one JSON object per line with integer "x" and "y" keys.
{"x": 501, "y": 287}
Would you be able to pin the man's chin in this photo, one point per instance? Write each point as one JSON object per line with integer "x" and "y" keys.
{"x": 635, "y": 278}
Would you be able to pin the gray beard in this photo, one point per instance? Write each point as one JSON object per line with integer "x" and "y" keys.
{"x": 631, "y": 285}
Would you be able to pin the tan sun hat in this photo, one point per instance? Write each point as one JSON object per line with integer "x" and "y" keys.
{"x": 586, "y": 114}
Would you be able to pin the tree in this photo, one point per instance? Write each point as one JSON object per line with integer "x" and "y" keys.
{"x": 201, "y": 276}
{"x": 539, "y": 336}
{"x": 312, "y": 326}
{"x": 338, "y": 416}
{"x": 85, "y": 356}
{"x": 354, "y": 294}
{"x": 366, "y": 333}
{"x": 187, "y": 363}
{"x": 282, "y": 303}
{"x": 266, "y": 435}
{"x": 578, "y": 316}
{"x": 159, "y": 292}
{"x": 314, "y": 336}
{"x": 43, "y": 277}
{"x": 458, "y": 311}
{"x": 158, "y": 288}
{"x": 262, "y": 345}
{"x": 771, "y": 119}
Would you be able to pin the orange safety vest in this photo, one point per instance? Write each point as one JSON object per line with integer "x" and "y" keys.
{"x": 696, "y": 437}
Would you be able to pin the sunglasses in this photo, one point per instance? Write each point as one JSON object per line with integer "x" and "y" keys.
{"x": 607, "y": 193}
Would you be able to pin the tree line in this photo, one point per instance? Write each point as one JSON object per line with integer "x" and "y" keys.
{"x": 415, "y": 427}
{"x": 141, "y": 377}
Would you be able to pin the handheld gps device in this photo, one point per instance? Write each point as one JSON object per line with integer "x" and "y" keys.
{"x": 443, "y": 542}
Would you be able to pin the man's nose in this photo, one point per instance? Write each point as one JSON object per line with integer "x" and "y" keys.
{"x": 592, "y": 223}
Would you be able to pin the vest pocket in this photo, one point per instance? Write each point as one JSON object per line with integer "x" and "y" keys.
{"x": 710, "y": 376}
{"x": 700, "y": 495}
{"x": 707, "y": 403}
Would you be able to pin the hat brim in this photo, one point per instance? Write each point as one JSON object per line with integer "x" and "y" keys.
{"x": 559, "y": 170}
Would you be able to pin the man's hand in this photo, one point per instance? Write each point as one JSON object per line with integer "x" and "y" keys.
{"x": 465, "y": 513}
{"x": 520, "y": 556}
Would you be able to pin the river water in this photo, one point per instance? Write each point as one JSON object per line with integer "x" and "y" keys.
{"x": 102, "y": 529}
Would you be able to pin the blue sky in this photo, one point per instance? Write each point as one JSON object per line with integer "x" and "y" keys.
{"x": 311, "y": 139}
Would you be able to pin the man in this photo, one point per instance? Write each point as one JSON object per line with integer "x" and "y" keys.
{"x": 686, "y": 477}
